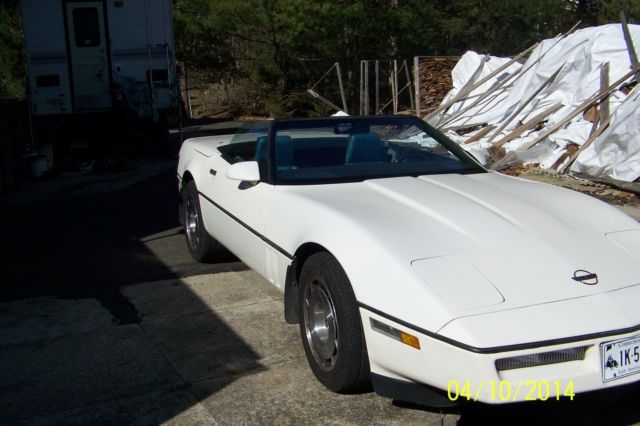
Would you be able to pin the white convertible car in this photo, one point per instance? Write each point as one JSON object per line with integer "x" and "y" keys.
{"x": 411, "y": 267}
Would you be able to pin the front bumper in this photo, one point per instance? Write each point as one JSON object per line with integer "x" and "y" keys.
{"x": 463, "y": 374}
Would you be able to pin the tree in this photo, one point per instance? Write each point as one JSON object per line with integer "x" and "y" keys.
{"x": 12, "y": 69}
{"x": 284, "y": 46}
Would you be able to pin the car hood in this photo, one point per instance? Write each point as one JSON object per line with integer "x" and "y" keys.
{"x": 524, "y": 238}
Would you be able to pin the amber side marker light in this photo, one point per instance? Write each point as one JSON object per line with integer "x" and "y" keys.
{"x": 394, "y": 333}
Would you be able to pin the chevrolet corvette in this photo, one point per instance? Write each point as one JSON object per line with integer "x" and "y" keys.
{"x": 409, "y": 266}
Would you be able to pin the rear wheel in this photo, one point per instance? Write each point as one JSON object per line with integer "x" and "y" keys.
{"x": 330, "y": 325}
{"x": 202, "y": 246}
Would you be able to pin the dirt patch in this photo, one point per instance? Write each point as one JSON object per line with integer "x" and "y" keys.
{"x": 605, "y": 192}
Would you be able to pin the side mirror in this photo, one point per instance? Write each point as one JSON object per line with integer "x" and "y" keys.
{"x": 245, "y": 171}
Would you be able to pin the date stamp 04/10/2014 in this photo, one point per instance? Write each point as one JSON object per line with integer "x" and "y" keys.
{"x": 506, "y": 391}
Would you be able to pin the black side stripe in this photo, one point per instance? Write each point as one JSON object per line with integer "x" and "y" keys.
{"x": 250, "y": 229}
{"x": 506, "y": 348}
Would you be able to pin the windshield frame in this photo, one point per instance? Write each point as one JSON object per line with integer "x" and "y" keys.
{"x": 277, "y": 125}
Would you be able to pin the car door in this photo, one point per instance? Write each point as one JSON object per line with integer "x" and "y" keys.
{"x": 235, "y": 213}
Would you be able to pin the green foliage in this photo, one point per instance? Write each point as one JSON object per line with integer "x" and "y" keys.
{"x": 609, "y": 11}
{"x": 286, "y": 45}
{"x": 12, "y": 68}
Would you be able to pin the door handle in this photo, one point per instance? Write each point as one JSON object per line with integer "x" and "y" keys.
{"x": 212, "y": 172}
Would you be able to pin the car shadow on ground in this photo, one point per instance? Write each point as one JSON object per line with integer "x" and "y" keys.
{"x": 73, "y": 346}
{"x": 616, "y": 406}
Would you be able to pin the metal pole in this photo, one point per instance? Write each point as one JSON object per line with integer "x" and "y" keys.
{"x": 150, "y": 74}
{"x": 395, "y": 86}
{"x": 6, "y": 154}
{"x": 179, "y": 100}
{"x": 186, "y": 89}
{"x": 173, "y": 45}
{"x": 166, "y": 41}
{"x": 406, "y": 71}
{"x": 361, "y": 88}
{"x": 322, "y": 99}
{"x": 366, "y": 87}
{"x": 377, "y": 87}
{"x": 416, "y": 83}
{"x": 342, "y": 95}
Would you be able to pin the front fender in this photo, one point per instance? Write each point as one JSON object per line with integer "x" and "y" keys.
{"x": 380, "y": 277}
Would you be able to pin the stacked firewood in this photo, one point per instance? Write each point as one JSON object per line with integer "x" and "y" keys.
{"x": 435, "y": 80}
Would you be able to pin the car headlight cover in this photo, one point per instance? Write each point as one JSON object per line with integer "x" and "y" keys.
{"x": 457, "y": 282}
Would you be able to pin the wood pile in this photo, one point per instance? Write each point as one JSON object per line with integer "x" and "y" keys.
{"x": 435, "y": 80}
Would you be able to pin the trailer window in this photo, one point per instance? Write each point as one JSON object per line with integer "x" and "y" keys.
{"x": 86, "y": 26}
{"x": 51, "y": 80}
{"x": 159, "y": 75}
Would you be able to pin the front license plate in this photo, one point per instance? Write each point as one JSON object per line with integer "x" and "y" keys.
{"x": 620, "y": 358}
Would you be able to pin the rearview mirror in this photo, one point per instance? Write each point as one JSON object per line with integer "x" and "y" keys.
{"x": 343, "y": 128}
{"x": 245, "y": 171}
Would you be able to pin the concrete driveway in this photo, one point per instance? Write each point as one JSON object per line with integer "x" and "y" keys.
{"x": 105, "y": 319}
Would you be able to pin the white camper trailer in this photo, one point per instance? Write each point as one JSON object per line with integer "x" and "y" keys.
{"x": 100, "y": 56}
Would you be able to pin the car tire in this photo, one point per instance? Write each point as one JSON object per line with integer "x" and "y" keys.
{"x": 330, "y": 326}
{"x": 202, "y": 246}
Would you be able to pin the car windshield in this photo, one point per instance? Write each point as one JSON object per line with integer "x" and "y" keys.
{"x": 351, "y": 149}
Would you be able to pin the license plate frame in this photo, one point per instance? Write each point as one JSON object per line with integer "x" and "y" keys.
{"x": 616, "y": 352}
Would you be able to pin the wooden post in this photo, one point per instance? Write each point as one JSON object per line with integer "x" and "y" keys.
{"x": 601, "y": 122}
{"x": 416, "y": 83}
{"x": 464, "y": 92}
{"x": 522, "y": 106}
{"x": 505, "y": 80}
{"x": 604, "y": 82}
{"x": 515, "y": 76}
{"x": 633, "y": 57}
{"x": 589, "y": 141}
{"x": 529, "y": 124}
{"x": 586, "y": 104}
{"x": 480, "y": 99}
{"x": 471, "y": 80}
{"x": 482, "y": 133}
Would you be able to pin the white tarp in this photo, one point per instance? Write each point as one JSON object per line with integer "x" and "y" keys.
{"x": 616, "y": 152}
{"x": 579, "y": 58}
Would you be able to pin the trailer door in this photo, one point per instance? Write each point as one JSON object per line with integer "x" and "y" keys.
{"x": 87, "y": 44}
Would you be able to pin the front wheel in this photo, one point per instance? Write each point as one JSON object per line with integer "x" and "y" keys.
{"x": 202, "y": 246}
{"x": 330, "y": 325}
